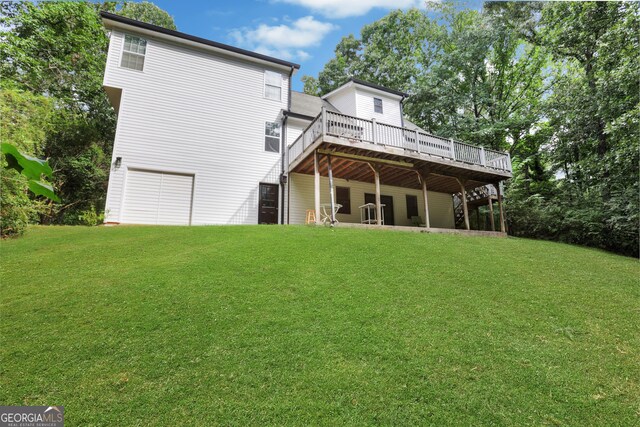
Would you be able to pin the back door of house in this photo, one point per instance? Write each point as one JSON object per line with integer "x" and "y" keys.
{"x": 387, "y": 201}
{"x": 268, "y": 204}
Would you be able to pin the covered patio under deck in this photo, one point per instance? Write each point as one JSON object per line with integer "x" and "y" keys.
{"x": 350, "y": 148}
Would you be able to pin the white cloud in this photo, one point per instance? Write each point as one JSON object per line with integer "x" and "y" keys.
{"x": 285, "y": 41}
{"x": 346, "y": 8}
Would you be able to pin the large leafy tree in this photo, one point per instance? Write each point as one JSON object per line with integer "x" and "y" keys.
{"x": 594, "y": 112}
{"x": 147, "y": 12}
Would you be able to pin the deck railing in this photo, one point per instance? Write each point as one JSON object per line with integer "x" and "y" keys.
{"x": 362, "y": 130}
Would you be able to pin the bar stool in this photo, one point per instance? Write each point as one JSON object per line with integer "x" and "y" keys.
{"x": 310, "y": 217}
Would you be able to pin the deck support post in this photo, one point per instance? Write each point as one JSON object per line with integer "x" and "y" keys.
{"x": 331, "y": 192}
{"x": 423, "y": 179}
{"x": 465, "y": 209}
{"x": 491, "y": 219}
{"x": 374, "y": 139}
{"x": 316, "y": 182}
{"x": 503, "y": 226}
{"x": 323, "y": 113}
{"x": 376, "y": 173}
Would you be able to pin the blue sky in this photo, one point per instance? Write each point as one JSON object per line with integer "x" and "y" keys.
{"x": 301, "y": 31}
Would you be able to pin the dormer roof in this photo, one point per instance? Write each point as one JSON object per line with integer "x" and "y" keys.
{"x": 367, "y": 85}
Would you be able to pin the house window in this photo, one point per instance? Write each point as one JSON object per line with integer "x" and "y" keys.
{"x": 272, "y": 85}
{"x": 133, "y": 53}
{"x": 412, "y": 206}
{"x": 377, "y": 105}
{"x": 343, "y": 197}
{"x": 272, "y": 137}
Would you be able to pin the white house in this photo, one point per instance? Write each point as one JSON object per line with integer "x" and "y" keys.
{"x": 212, "y": 134}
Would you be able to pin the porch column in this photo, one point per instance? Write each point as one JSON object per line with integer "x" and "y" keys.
{"x": 423, "y": 178}
{"x": 331, "y": 192}
{"x": 376, "y": 173}
{"x": 491, "y": 220}
{"x": 503, "y": 227}
{"x": 316, "y": 170}
{"x": 464, "y": 203}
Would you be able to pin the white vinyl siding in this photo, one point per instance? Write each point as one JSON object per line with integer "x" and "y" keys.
{"x": 197, "y": 111}
{"x": 272, "y": 85}
{"x": 294, "y": 129}
{"x": 133, "y": 52}
{"x": 302, "y": 198}
{"x": 360, "y": 101}
{"x": 157, "y": 198}
{"x": 365, "y": 107}
{"x": 345, "y": 101}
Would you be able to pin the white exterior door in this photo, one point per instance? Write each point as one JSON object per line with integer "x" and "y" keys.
{"x": 157, "y": 198}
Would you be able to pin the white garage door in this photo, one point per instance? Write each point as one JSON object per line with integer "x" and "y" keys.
{"x": 157, "y": 198}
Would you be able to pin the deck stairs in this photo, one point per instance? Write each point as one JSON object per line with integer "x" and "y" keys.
{"x": 475, "y": 196}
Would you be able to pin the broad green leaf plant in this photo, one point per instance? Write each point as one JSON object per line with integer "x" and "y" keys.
{"x": 32, "y": 168}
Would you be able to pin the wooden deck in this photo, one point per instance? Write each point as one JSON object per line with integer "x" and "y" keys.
{"x": 399, "y": 152}
{"x": 341, "y": 146}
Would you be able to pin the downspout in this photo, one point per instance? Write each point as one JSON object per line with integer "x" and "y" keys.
{"x": 284, "y": 153}
{"x": 282, "y": 174}
{"x": 402, "y": 111}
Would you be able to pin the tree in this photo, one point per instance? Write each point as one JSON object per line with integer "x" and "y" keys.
{"x": 147, "y": 12}
{"x": 24, "y": 120}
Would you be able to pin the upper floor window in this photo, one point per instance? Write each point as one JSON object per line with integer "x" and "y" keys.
{"x": 272, "y": 85}
{"x": 272, "y": 137}
{"x": 377, "y": 105}
{"x": 133, "y": 52}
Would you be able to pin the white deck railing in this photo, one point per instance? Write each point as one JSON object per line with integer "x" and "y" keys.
{"x": 369, "y": 131}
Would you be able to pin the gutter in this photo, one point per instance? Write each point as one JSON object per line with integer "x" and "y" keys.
{"x": 298, "y": 115}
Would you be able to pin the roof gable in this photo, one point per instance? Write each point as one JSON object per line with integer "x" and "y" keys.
{"x": 367, "y": 85}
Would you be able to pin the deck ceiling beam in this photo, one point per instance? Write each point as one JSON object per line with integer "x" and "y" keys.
{"x": 367, "y": 159}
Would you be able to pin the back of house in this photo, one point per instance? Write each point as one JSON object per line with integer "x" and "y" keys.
{"x": 212, "y": 134}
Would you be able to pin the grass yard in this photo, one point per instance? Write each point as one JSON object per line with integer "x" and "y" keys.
{"x": 266, "y": 325}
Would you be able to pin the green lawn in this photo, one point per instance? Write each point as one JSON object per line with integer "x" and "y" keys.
{"x": 266, "y": 325}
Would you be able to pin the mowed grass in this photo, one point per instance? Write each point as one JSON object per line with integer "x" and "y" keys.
{"x": 267, "y": 325}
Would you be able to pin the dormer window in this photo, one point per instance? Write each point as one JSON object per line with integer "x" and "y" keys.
{"x": 272, "y": 85}
{"x": 377, "y": 105}
{"x": 133, "y": 52}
